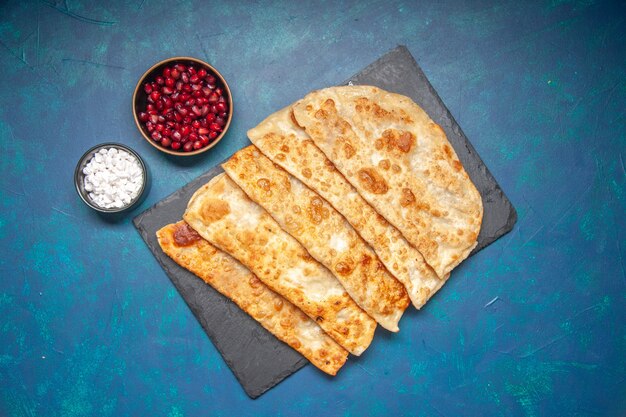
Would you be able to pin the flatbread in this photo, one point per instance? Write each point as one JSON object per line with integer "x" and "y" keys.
{"x": 233, "y": 280}
{"x": 222, "y": 214}
{"x": 289, "y": 146}
{"x": 323, "y": 232}
{"x": 401, "y": 162}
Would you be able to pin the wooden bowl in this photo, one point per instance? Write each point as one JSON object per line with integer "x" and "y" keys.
{"x": 140, "y": 100}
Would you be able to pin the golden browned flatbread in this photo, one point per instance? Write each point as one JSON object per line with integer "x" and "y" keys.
{"x": 323, "y": 232}
{"x": 401, "y": 162}
{"x": 222, "y": 214}
{"x": 289, "y": 146}
{"x": 230, "y": 278}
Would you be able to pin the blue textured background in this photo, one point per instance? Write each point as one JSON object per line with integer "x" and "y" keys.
{"x": 89, "y": 323}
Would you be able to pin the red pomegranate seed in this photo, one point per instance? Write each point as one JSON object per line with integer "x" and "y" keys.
{"x": 154, "y": 118}
{"x": 147, "y": 88}
{"x": 166, "y": 142}
{"x": 161, "y": 119}
{"x": 159, "y": 127}
{"x": 149, "y": 127}
{"x": 221, "y": 107}
{"x": 213, "y": 135}
{"x": 185, "y": 130}
{"x": 224, "y": 114}
{"x": 196, "y": 87}
{"x": 180, "y": 67}
{"x": 155, "y": 95}
{"x": 204, "y": 110}
{"x": 207, "y": 91}
{"x": 193, "y": 137}
{"x": 210, "y": 117}
{"x": 167, "y": 132}
{"x": 175, "y": 74}
{"x": 184, "y": 97}
{"x": 197, "y": 145}
{"x": 204, "y": 139}
{"x": 220, "y": 121}
{"x": 201, "y": 73}
{"x": 195, "y": 124}
{"x": 178, "y": 117}
{"x": 215, "y": 126}
{"x": 191, "y": 102}
{"x": 143, "y": 117}
{"x": 210, "y": 79}
{"x": 184, "y": 77}
{"x": 187, "y": 88}
{"x": 167, "y": 102}
{"x": 156, "y": 136}
{"x": 159, "y": 105}
{"x": 177, "y": 136}
{"x": 160, "y": 80}
{"x": 176, "y": 145}
{"x": 167, "y": 71}
{"x": 203, "y": 131}
{"x": 218, "y": 91}
{"x": 188, "y": 147}
{"x": 213, "y": 98}
{"x": 213, "y": 109}
{"x": 187, "y": 120}
{"x": 167, "y": 90}
{"x": 194, "y": 79}
{"x": 197, "y": 110}
{"x": 197, "y": 94}
{"x": 191, "y": 70}
{"x": 181, "y": 109}
{"x": 170, "y": 82}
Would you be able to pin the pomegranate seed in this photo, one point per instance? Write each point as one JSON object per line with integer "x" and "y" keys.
{"x": 215, "y": 126}
{"x": 175, "y": 74}
{"x": 176, "y": 145}
{"x": 187, "y": 88}
{"x": 170, "y": 116}
{"x": 204, "y": 139}
{"x": 167, "y": 71}
{"x": 185, "y": 130}
{"x": 190, "y": 102}
{"x": 213, "y": 135}
{"x": 191, "y": 70}
{"x": 218, "y": 91}
{"x": 220, "y": 121}
{"x": 143, "y": 117}
{"x": 224, "y": 114}
{"x": 170, "y": 82}
{"x": 197, "y": 94}
{"x": 221, "y": 107}
{"x": 150, "y": 107}
{"x": 180, "y": 67}
{"x": 167, "y": 102}
{"x": 195, "y": 124}
{"x": 149, "y": 127}
{"x": 178, "y": 117}
{"x": 194, "y": 79}
{"x": 201, "y": 73}
{"x": 177, "y": 136}
{"x": 155, "y": 95}
{"x": 184, "y": 77}
{"x": 197, "y": 145}
{"x": 160, "y": 80}
{"x": 154, "y": 118}
{"x": 188, "y": 147}
{"x": 205, "y": 110}
{"x": 181, "y": 109}
{"x": 185, "y": 139}
{"x": 203, "y": 131}
{"x": 210, "y": 79}
{"x": 196, "y": 87}
{"x": 166, "y": 142}
{"x": 213, "y": 109}
{"x": 167, "y": 90}
{"x": 197, "y": 110}
{"x": 207, "y": 91}
{"x": 147, "y": 88}
{"x": 187, "y": 120}
{"x": 210, "y": 117}
{"x": 159, "y": 105}
{"x": 184, "y": 97}
{"x": 159, "y": 127}
{"x": 161, "y": 119}
{"x": 156, "y": 136}
{"x": 170, "y": 124}
{"x": 213, "y": 98}
{"x": 167, "y": 132}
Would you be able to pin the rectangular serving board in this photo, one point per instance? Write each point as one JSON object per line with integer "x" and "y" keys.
{"x": 238, "y": 337}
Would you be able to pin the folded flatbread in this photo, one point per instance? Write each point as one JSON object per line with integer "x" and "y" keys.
{"x": 230, "y": 278}
{"x": 401, "y": 162}
{"x": 289, "y": 146}
{"x": 323, "y": 232}
{"x": 222, "y": 214}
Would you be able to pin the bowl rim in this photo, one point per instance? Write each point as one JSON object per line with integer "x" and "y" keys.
{"x": 198, "y": 61}
{"x": 78, "y": 173}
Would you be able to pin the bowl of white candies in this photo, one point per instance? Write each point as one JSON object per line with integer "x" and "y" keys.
{"x": 111, "y": 178}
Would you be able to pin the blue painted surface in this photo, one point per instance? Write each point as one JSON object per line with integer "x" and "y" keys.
{"x": 90, "y": 325}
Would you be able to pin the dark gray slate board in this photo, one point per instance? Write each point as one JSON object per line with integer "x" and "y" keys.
{"x": 258, "y": 360}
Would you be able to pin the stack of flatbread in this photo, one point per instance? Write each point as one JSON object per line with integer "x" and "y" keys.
{"x": 350, "y": 205}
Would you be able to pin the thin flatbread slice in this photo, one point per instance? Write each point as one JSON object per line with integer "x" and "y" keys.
{"x": 222, "y": 214}
{"x": 323, "y": 232}
{"x": 401, "y": 162}
{"x": 233, "y": 280}
{"x": 289, "y": 146}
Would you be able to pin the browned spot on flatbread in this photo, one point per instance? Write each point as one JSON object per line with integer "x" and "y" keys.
{"x": 384, "y": 164}
{"x": 306, "y": 172}
{"x": 393, "y": 139}
{"x": 264, "y": 184}
{"x": 457, "y": 165}
{"x": 345, "y": 267}
{"x": 285, "y": 148}
{"x": 372, "y": 181}
{"x": 214, "y": 209}
{"x": 316, "y": 210}
{"x": 184, "y": 235}
{"x": 348, "y": 150}
{"x": 407, "y": 197}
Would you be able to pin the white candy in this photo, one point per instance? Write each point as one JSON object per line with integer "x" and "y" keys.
{"x": 113, "y": 178}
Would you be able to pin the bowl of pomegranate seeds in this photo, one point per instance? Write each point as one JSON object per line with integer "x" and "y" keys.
{"x": 182, "y": 106}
